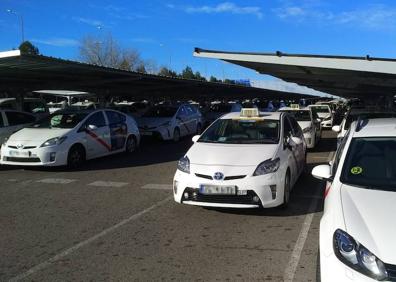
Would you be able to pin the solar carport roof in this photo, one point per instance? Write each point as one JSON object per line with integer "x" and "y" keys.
{"x": 360, "y": 77}
{"x": 22, "y": 73}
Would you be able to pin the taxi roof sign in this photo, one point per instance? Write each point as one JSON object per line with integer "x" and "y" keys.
{"x": 249, "y": 113}
{"x": 295, "y": 106}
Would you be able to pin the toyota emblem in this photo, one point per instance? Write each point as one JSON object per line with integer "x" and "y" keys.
{"x": 218, "y": 176}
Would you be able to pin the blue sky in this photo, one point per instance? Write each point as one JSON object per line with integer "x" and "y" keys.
{"x": 167, "y": 31}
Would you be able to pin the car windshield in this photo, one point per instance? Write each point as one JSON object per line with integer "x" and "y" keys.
{"x": 229, "y": 131}
{"x": 60, "y": 120}
{"x": 221, "y": 108}
{"x": 321, "y": 109}
{"x": 371, "y": 163}
{"x": 352, "y": 117}
{"x": 161, "y": 111}
{"x": 300, "y": 115}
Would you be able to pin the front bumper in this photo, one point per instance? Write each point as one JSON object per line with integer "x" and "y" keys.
{"x": 258, "y": 191}
{"x": 38, "y": 156}
{"x": 163, "y": 133}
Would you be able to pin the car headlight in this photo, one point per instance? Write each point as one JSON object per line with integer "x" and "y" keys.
{"x": 358, "y": 257}
{"x": 267, "y": 166}
{"x": 307, "y": 129}
{"x": 184, "y": 164}
{"x": 54, "y": 141}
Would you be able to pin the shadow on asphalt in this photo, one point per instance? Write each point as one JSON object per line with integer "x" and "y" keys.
{"x": 150, "y": 152}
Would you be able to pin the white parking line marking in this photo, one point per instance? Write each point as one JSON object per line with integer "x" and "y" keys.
{"x": 158, "y": 186}
{"x": 108, "y": 184}
{"x": 12, "y": 180}
{"x": 71, "y": 250}
{"x": 298, "y": 247}
{"x": 56, "y": 180}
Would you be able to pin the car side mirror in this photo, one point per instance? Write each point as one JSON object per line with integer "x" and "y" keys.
{"x": 295, "y": 140}
{"x": 336, "y": 128}
{"x": 322, "y": 172}
{"x": 195, "y": 138}
{"x": 91, "y": 127}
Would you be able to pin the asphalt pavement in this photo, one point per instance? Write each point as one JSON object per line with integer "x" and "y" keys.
{"x": 115, "y": 220}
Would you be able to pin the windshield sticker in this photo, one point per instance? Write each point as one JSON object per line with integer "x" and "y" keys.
{"x": 356, "y": 170}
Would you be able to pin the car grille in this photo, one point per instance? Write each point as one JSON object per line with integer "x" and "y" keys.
{"x": 24, "y": 148}
{"x": 391, "y": 269}
{"x": 195, "y": 196}
{"x": 225, "y": 178}
{"x": 22, "y": 160}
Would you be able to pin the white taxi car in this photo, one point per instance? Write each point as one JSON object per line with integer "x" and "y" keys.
{"x": 308, "y": 120}
{"x": 243, "y": 160}
{"x": 70, "y": 137}
{"x": 168, "y": 122}
{"x": 357, "y": 233}
{"x": 325, "y": 114}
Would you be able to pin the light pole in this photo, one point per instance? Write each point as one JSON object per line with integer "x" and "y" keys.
{"x": 20, "y": 21}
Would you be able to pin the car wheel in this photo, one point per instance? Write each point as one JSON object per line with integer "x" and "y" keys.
{"x": 76, "y": 157}
{"x": 199, "y": 129}
{"x": 176, "y": 135}
{"x": 286, "y": 192}
{"x": 130, "y": 145}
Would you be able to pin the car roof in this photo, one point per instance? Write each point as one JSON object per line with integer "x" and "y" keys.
{"x": 268, "y": 115}
{"x": 381, "y": 127}
{"x": 294, "y": 109}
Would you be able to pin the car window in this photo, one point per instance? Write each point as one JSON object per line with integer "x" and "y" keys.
{"x": 229, "y": 131}
{"x": 161, "y": 111}
{"x": 7, "y": 106}
{"x": 115, "y": 117}
{"x": 189, "y": 110}
{"x": 60, "y": 120}
{"x": 338, "y": 154}
{"x": 16, "y": 118}
{"x": 287, "y": 130}
{"x": 182, "y": 112}
{"x": 35, "y": 107}
{"x": 96, "y": 119}
{"x": 1, "y": 120}
{"x": 295, "y": 127}
{"x": 370, "y": 163}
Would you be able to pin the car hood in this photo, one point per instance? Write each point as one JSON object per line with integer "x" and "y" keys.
{"x": 37, "y": 135}
{"x": 230, "y": 154}
{"x": 368, "y": 218}
{"x": 152, "y": 122}
{"x": 304, "y": 124}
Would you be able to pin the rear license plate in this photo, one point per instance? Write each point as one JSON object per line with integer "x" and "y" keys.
{"x": 217, "y": 190}
{"x": 14, "y": 153}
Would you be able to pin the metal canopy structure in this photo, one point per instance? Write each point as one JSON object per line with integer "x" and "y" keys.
{"x": 26, "y": 73}
{"x": 360, "y": 77}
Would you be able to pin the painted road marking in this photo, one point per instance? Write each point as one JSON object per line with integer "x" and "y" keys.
{"x": 78, "y": 246}
{"x": 158, "y": 186}
{"x": 56, "y": 180}
{"x": 108, "y": 184}
{"x": 302, "y": 237}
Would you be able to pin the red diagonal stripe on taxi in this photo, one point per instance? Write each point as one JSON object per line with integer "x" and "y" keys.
{"x": 97, "y": 138}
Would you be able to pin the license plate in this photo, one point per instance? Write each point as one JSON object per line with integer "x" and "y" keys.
{"x": 217, "y": 190}
{"x": 14, "y": 153}
{"x": 147, "y": 133}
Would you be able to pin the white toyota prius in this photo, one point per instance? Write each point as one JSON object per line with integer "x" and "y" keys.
{"x": 70, "y": 137}
{"x": 357, "y": 231}
{"x": 243, "y": 160}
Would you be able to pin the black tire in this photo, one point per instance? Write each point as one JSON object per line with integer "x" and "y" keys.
{"x": 286, "y": 193}
{"x": 199, "y": 129}
{"x": 75, "y": 157}
{"x": 130, "y": 144}
{"x": 176, "y": 135}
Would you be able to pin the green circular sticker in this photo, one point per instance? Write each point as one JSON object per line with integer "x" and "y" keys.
{"x": 356, "y": 170}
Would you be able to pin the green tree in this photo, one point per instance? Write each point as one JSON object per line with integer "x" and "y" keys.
{"x": 167, "y": 72}
{"x": 188, "y": 73}
{"x": 28, "y": 48}
{"x": 214, "y": 79}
